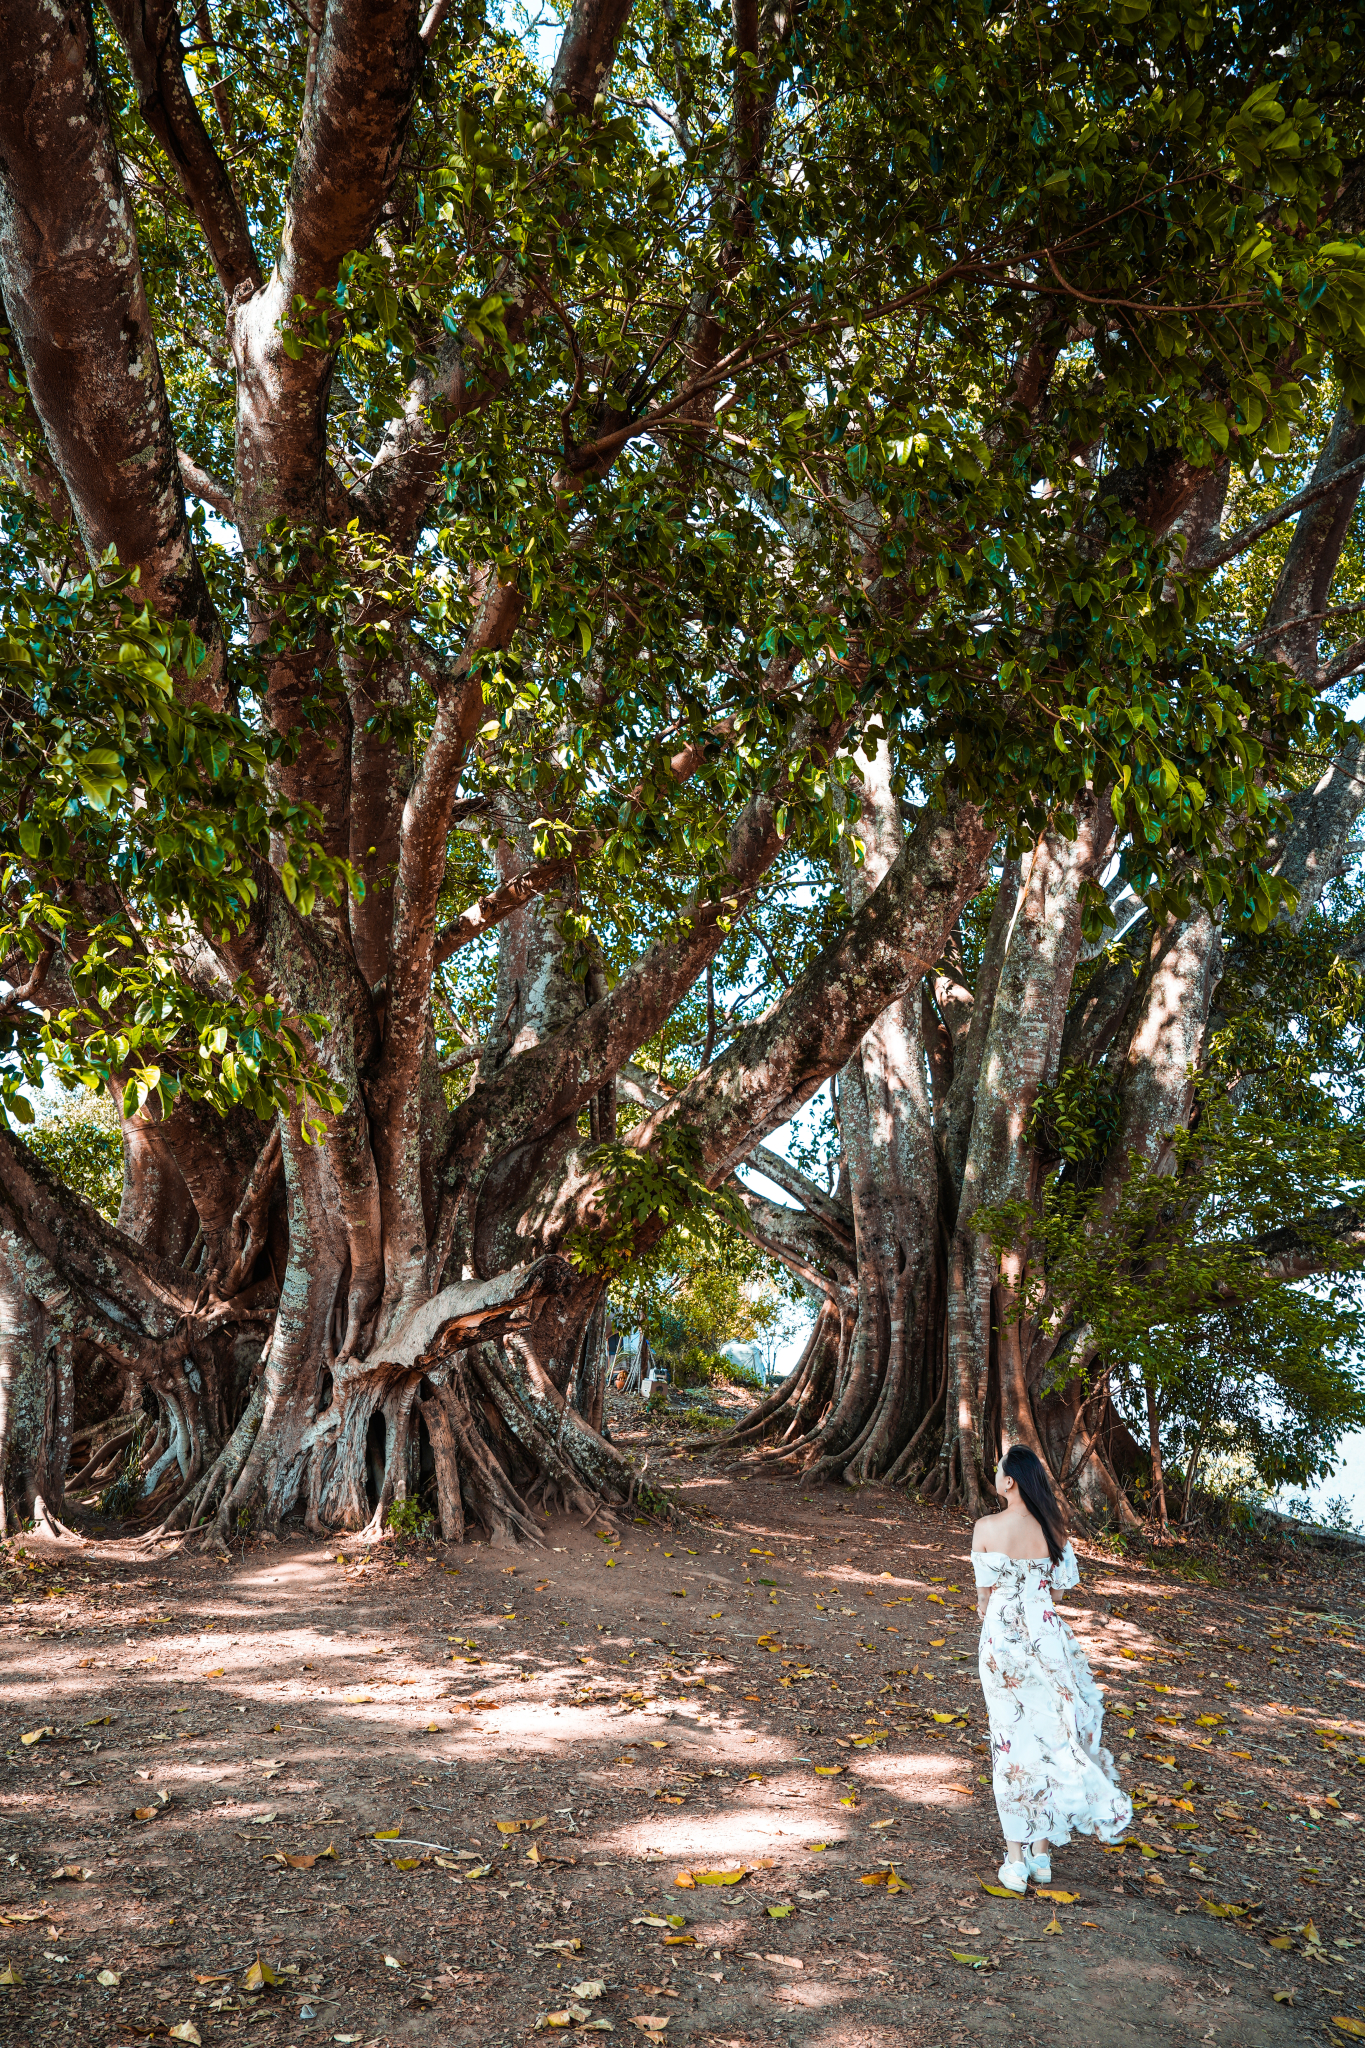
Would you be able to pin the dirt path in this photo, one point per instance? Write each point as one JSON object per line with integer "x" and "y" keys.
{"x": 783, "y": 1681}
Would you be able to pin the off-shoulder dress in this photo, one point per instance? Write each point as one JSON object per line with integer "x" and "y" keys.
{"x": 1051, "y": 1774}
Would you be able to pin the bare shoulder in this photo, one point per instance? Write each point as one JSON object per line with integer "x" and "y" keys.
{"x": 981, "y": 1534}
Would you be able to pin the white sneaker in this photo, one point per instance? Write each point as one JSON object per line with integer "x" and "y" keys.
{"x": 1014, "y": 1876}
{"x": 1039, "y": 1868}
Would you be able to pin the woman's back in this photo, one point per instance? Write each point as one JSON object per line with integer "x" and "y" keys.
{"x": 1014, "y": 1533}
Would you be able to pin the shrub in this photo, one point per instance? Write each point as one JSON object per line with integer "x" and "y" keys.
{"x": 409, "y": 1518}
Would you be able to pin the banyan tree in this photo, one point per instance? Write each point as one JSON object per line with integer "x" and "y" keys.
{"x": 476, "y": 517}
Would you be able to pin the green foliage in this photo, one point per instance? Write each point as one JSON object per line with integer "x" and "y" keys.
{"x": 409, "y": 1518}
{"x": 1077, "y": 1118}
{"x": 82, "y": 1145}
{"x": 651, "y": 1193}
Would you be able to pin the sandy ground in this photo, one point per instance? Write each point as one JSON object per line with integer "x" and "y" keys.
{"x": 491, "y": 1769}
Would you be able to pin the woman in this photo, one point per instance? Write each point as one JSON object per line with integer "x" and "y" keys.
{"x": 1051, "y": 1775}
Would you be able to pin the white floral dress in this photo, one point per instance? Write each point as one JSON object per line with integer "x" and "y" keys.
{"x": 1052, "y": 1775}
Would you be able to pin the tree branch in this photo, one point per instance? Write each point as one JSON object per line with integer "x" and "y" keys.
{"x": 150, "y": 33}
{"x": 768, "y": 1071}
{"x": 1247, "y": 536}
{"x": 74, "y": 290}
{"x": 200, "y": 484}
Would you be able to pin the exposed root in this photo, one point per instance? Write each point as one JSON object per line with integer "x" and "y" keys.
{"x": 49, "y": 1529}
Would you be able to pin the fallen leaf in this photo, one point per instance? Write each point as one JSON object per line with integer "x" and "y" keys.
{"x": 144, "y": 1812}
{"x": 688, "y": 1878}
{"x": 389, "y": 1835}
{"x": 885, "y": 1823}
{"x": 1283, "y": 1997}
{"x": 215, "y": 1674}
{"x": 973, "y": 1962}
{"x": 1281, "y": 1941}
{"x": 187, "y": 2031}
{"x": 258, "y": 1975}
{"x": 570, "y": 1946}
{"x": 71, "y": 1873}
{"x": 1345, "y": 2025}
{"x": 395, "y": 1963}
{"x": 828, "y": 1770}
{"x": 36, "y": 1735}
{"x": 1061, "y": 1898}
{"x": 10, "y": 1975}
{"x": 591, "y": 1987}
{"x": 110, "y": 1979}
{"x": 778, "y": 1912}
{"x": 1221, "y": 1912}
{"x": 1054, "y": 1926}
{"x": 680, "y": 1940}
{"x": 997, "y": 1891}
{"x": 650, "y": 2022}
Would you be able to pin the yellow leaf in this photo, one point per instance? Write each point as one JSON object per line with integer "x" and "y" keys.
{"x": 695, "y": 1877}
{"x": 357, "y": 1699}
{"x": 1281, "y": 1941}
{"x": 9, "y": 1975}
{"x": 778, "y": 1912}
{"x": 885, "y": 1823}
{"x": 389, "y": 1835}
{"x": 509, "y": 1827}
{"x": 937, "y": 1642}
{"x": 679, "y": 1940}
{"x": 35, "y": 1735}
{"x": 1061, "y": 1898}
{"x": 406, "y": 1862}
{"x": 1209, "y": 1721}
{"x": 1283, "y": 1997}
{"x": 828, "y": 1770}
{"x": 998, "y": 1891}
{"x": 1221, "y": 1912}
{"x": 1054, "y": 1926}
{"x": 186, "y": 2031}
{"x": 940, "y": 1718}
{"x": 1345, "y": 2025}
{"x": 110, "y": 1979}
{"x": 258, "y": 1975}
{"x": 144, "y": 1813}
{"x": 214, "y": 1674}
{"x": 974, "y": 1962}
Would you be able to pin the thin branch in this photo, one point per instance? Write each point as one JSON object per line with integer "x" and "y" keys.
{"x": 200, "y": 484}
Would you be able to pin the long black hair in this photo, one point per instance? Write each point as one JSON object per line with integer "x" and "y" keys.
{"x": 1029, "y": 1474}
